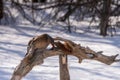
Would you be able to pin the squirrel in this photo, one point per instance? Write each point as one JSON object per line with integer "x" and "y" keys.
{"x": 41, "y": 42}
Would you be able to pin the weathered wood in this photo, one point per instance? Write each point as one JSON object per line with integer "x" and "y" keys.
{"x": 84, "y": 52}
{"x": 66, "y": 48}
{"x": 64, "y": 71}
{"x": 29, "y": 62}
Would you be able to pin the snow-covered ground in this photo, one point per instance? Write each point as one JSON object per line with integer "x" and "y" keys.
{"x": 13, "y": 43}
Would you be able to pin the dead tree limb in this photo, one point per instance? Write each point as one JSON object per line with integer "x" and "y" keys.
{"x": 84, "y": 52}
{"x": 66, "y": 48}
{"x": 29, "y": 62}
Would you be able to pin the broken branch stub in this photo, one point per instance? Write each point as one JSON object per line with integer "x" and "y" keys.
{"x": 107, "y": 59}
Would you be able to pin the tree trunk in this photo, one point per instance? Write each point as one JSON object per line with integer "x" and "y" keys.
{"x": 69, "y": 26}
{"x": 1, "y": 9}
{"x": 104, "y": 17}
{"x": 103, "y": 25}
{"x": 64, "y": 72}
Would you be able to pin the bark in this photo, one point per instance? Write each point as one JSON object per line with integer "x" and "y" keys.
{"x": 29, "y": 62}
{"x": 84, "y": 52}
{"x": 104, "y": 17}
{"x": 64, "y": 72}
{"x": 103, "y": 26}
{"x": 62, "y": 49}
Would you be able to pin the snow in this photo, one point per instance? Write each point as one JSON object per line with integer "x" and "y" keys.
{"x": 13, "y": 43}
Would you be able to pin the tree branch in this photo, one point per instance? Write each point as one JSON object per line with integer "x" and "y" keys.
{"x": 29, "y": 62}
{"x": 66, "y": 48}
{"x": 85, "y": 52}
